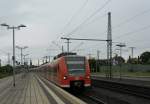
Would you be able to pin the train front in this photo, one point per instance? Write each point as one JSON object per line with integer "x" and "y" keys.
{"x": 78, "y": 71}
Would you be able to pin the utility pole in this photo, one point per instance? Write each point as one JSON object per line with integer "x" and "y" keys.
{"x": 21, "y": 48}
{"x": 0, "y": 62}
{"x": 62, "y": 48}
{"x": 43, "y": 61}
{"x": 68, "y": 41}
{"x": 132, "y": 60}
{"x": 46, "y": 58}
{"x": 109, "y": 45}
{"x": 68, "y": 45}
{"x": 49, "y": 58}
{"x": 90, "y": 56}
{"x": 38, "y": 62}
{"x": 98, "y": 54}
{"x": 30, "y": 63}
{"x": 132, "y": 48}
{"x": 8, "y": 58}
{"x": 25, "y": 58}
{"x": 97, "y": 61}
{"x": 120, "y": 45}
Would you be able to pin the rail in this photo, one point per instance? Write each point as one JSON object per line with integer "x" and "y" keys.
{"x": 122, "y": 87}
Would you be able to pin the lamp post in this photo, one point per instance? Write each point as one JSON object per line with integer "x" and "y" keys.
{"x": 13, "y": 57}
{"x": 25, "y": 58}
{"x": 21, "y": 48}
{"x": 120, "y": 45}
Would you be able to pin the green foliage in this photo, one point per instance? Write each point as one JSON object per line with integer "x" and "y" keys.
{"x": 145, "y": 57}
{"x": 95, "y": 65}
{"x": 92, "y": 64}
{"x": 119, "y": 59}
{"x": 6, "y": 70}
{"x": 133, "y": 60}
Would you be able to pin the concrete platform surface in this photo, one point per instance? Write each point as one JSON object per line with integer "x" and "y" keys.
{"x": 32, "y": 89}
{"x": 26, "y": 91}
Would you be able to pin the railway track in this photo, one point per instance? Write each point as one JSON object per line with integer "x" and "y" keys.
{"x": 87, "y": 95}
{"x": 96, "y": 99}
{"x": 135, "y": 90}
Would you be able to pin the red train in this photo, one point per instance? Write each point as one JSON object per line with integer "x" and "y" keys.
{"x": 68, "y": 70}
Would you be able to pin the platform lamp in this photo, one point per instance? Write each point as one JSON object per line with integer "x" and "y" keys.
{"x": 13, "y": 57}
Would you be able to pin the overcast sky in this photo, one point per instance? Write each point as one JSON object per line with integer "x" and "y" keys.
{"x": 48, "y": 20}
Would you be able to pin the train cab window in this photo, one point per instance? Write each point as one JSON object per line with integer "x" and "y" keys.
{"x": 75, "y": 65}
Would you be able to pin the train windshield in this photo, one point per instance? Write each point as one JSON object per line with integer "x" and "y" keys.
{"x": 76, "y": 65}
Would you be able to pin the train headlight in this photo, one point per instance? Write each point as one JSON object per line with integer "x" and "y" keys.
{"x": 65, "y": 77}
{"x": 88, "y": 77}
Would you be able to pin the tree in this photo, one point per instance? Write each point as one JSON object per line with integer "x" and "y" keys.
{"x": 92, "y": 63}
{"x": 145, "y": 57}
{"x": 133, "y": 60}
{"x": 119, "y": 59}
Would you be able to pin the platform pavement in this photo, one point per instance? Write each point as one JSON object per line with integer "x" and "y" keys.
{"x": 26, "y": 91}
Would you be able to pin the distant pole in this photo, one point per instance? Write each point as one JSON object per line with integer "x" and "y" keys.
{"x": 132, "y": 48}
{"x": 25, "y": 58}
{"x": 68, "y": 41}
{"x": 68, "y": 45}
{"x": 121, "y": 45}
{"x": 89, "y": 55}
{"x": 30, "y": 62}
{"x": 38, "y": 62}
{"x": 21, "y": 55}
{"x": 62, "y": 48}
{"x": 21, "y": 48}
{"x": 98, "y": 52}
{"x": 46, "y": 58}
{"x": 14, "y": 59}
{"x": 43, "y": 61}
{"x": 97, "y": 61}
{"x": 0, "y": 62}
{"x": 8, "y": 58}
{"x": 49, "y": 58}
{"x": 109, "y": 45}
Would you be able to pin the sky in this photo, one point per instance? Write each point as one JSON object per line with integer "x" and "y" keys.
{"x": 49, "y": 20}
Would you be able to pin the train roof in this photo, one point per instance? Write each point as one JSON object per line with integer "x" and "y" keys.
{"x": 65, "y": 54}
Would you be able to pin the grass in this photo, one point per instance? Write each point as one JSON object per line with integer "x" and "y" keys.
{"x": 2, "y": 75}
{"x": 131, "y": 74}
{"x": 125, "y": 71}
{"x": 138, "y": 74}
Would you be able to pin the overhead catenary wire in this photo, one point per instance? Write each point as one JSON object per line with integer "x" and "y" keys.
{"x": 88, "y": 18}
{"x": 132, "y": 18}
{"x": 128, "y": 20}
{"x": 79, "y": 45}
{"x": 76, "y": 14}
{"x": 73, "y": 16}
{"x": 93, "y": 20}
{"x": 133, "y": 32}
{"x": 93, "y": 14}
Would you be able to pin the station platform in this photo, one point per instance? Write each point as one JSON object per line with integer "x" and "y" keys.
{"x": 30, "y": 89}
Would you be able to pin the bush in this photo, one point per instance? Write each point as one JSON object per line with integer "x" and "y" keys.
{"x": 6, "y": 69}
